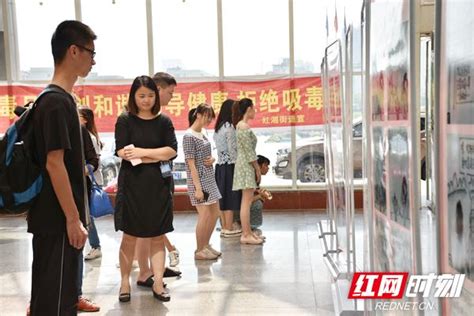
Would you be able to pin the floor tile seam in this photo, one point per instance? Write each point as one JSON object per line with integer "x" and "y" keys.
{"x": 305, "y": 215}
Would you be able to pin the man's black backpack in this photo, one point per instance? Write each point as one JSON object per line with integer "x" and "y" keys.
{"x": 20, "y": 174}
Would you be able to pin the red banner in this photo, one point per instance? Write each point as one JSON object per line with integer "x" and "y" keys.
{"x": 281, "y": 102}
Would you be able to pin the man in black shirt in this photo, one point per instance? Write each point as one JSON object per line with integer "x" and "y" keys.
{"x": 58, "y": 217}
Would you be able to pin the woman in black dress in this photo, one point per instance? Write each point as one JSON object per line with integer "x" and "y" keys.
{"x": 144, "y": 199}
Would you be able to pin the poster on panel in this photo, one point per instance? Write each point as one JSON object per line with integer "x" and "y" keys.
{"x": 456, "y": 149}
{"x": 392, "y": 182}
{"x": 457, "y": 253}
{"x": 398, "y": 176}
{"x": 389, "y": 59}
{"x": 461, "y": 110}
{"x": 379, "y": 190}
{"x": 460, "y": 177}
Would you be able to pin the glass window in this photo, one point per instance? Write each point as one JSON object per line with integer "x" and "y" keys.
{"x": 275, "y": 144}
{"x": 255, "y": 37}
{"x": 310, "y": 166}
{"x": 309, "y": 35}
{"x": 189, "y": 51}
{"x": 34, "y": 39}
{"x": 121, "y": 45}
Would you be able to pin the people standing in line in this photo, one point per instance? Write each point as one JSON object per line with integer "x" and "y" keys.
{"x": 259, "y": 197}
{"x": 226, "y": 144}
{"x": 146, "y": 141}
{"x": 86, "y": 116}
{"x": 202, "y": 187}
{"x": 59, "y": 216}
{"x": 247, "y": 172}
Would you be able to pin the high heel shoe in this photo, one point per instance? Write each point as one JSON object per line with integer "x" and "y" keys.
{"x": 147, "y": 283}
{"x": 163, "y": 296}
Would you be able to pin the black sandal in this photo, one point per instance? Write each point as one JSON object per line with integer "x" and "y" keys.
{"x": 163, "y": 296}
{"x": 147, "y": 283}
{"x": 171, "y": 273}
{"x": 124, "y": 297}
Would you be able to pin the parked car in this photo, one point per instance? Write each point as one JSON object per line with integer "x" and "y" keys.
{"x": 310, "y": 165}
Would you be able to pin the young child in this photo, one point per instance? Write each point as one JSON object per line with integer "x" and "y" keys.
{"x": 259, "y": 198}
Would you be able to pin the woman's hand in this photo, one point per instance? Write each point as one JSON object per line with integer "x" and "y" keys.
{"x": 134, "y": 153}
{"x": 265, "y": 194}
{"x": 199, "y": 195}
{"x": 209, "y": 161}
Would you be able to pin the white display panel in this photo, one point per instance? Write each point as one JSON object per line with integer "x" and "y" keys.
{"x": 455, "y": 19}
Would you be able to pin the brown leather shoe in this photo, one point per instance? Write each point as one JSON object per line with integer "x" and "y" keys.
{"x": 85, "y": 305}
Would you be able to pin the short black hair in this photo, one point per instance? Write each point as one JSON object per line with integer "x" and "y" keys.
{"x": 147, "y": 82}
{"x": 69, "y": 33}
{"x": 262, "y": 159}
{"x": 163, "y": 80}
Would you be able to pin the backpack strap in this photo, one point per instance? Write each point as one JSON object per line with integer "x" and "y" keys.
{"x": 19, "y": 110}
{"x": 49, "y": 89}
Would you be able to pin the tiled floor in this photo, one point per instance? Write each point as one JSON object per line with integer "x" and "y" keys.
{"x": 286, "y": 276}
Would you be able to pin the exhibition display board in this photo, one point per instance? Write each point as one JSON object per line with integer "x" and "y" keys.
{"x": 338, "y": 127}
{"x": 390, "y": 128}
{"x": 455, "y": 160}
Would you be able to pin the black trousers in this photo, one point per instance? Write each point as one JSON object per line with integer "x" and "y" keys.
{"x": 54, "y": 276}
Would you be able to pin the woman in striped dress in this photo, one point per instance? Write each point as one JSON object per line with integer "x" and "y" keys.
{"x": 202, "y": 187}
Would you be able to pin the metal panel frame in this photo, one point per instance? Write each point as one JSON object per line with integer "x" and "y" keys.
{"x": 349, "y": 169}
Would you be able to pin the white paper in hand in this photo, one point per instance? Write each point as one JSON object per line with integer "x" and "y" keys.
{"x": 136, "y": 161}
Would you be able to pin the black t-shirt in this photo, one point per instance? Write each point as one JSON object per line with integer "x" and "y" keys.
{"x": 57, "y": 126}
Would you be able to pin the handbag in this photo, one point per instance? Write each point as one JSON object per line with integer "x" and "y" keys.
{"x": 99, "y": 201}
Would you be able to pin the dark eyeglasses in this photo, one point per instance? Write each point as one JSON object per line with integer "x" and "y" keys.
{"x": 92, "y": 52}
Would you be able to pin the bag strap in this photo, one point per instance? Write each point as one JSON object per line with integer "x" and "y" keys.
{"x": 49, "y": 89}
{"x": 91, "y": 174}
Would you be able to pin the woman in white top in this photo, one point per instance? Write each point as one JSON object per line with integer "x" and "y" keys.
{"x": 86, "y": 116}
{"x": 226, "y": 144}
